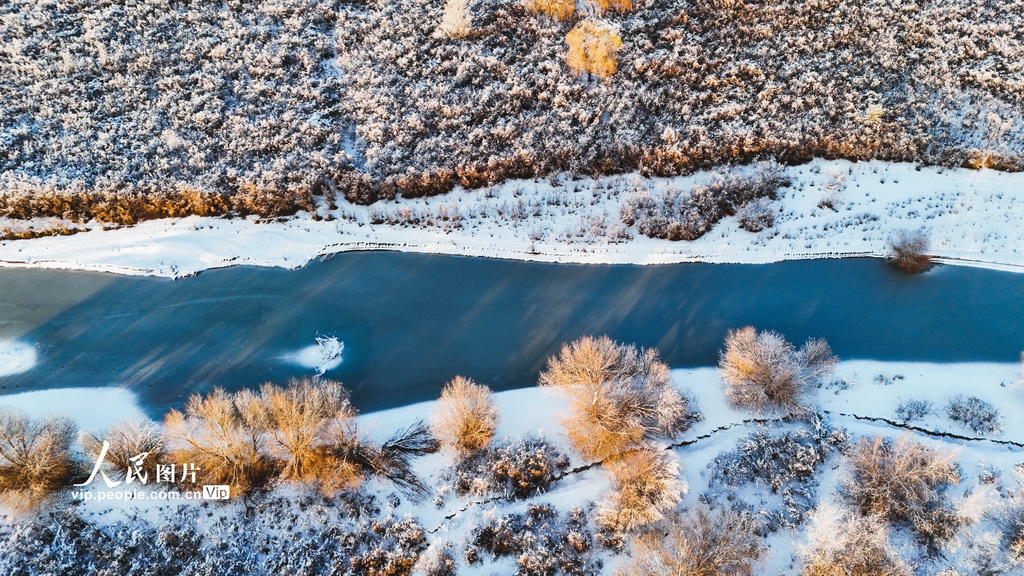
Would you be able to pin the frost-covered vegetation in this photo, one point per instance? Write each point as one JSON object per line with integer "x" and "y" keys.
{"x": 835, "y": 489}
{"x": 123, "y": 112}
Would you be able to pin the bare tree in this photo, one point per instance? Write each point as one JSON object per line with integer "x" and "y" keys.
{"x": 465, "y": 418}
{"x": 703, "y": 541}
{"x": 619, "y": 396}
{"x": 35, "y": 457}
{"x": 766, "y": 374}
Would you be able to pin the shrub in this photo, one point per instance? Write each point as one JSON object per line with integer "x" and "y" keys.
{"x": 515, "y": 469}
{"x": 784, "y": 463}
{"x": 465, "y": 417}
{"x": 757, "y": 215}
{"x": 903, "y": 481}
{"x": 913, "y": 410}
{"x": 456, "y": 21}
{"x": 592, "y": 48}
{"x": 619, "y": 396}
{"x": 973, "y": 412}
{"x": 678, "y": 216}
{"x": 645, "y": 484}
{"x": 766, "y": 374}
{"x": 310, "y": 428}
{"x": 392, "y": 460}
{"x": 222, "y": 434}
{"x": 843, "y": 544}
{"x": 701, "y": 542}
{"x": 613, "y": 5}
{"x": 35, "y": 457}
{"x": 558, "y": 9}
{"x": 543, "y": 543}
{"x": 908, "y": 251}
{"x": 126, "y": 441}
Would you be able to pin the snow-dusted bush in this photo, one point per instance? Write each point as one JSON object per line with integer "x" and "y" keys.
{"x": 676, "y": 215}
{"x": 903, "y": 481}
{"x": 361, "y": 99}
{"x": 593, "y": 45}
{"x": 783, "y": 463}
{"x": 645, "y": 485}
{"x": 766, "y": 374}
{"x": 125, "y": 442}
{"x": 845, "y": 544}
{"x": 517, "y": 468}
{"x": 465, "y": 417}
{"x": 457, "y": 21}
{"x": 272, "y": 536}
{"x": 619, "y": 396}
{"x": 908, "y": 251}
{"x": 543, "y": 542}
{"x": 702, "y": 541}
{"x": 974, "y": 413}
{"x": 757, "y": 215}
{"x": 35, "y": 457}
{"x": 913, "y": 410}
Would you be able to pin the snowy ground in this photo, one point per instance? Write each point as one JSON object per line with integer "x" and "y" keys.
{"x": 861, "y": 396}
{"x": 971, "y": 216}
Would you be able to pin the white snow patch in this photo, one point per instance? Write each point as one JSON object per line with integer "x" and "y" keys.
{"x": 90, "y": 408}
{"x": 325, "y": 355}
{"x": 16, "y": 357}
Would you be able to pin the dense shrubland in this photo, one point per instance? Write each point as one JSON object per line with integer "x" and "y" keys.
{"x": 121, "y": 113}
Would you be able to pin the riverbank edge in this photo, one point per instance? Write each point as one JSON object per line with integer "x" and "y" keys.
{"x": 833, "y": 209}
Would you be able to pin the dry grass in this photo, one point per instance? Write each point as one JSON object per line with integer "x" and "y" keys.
{"x": 619, "y": 396}
{"x": 35, "y": 458}
{"x": 908, "y": 251}
{"x": 764, "y": 373}
{"x": 701, "y": 542}
{"x": 465, "y": 417}
{"x": 645, "y": 484}
{"x": 592, "y": 48}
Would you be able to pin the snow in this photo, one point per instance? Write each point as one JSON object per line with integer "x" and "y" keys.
{"x": 16, "y": 357}
{"x": 91, "y": 408}
{"x": 857, "y": 391}
{"x": 971, "y": 217}
{"x": 325, "y": 355}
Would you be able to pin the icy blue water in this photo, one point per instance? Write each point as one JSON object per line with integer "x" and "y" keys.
{"x": 410, "y": 322}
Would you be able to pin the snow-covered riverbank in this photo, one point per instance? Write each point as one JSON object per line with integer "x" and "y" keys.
{"x": 861, "y": 397}
{"x": 971, "y": 217}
